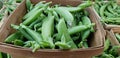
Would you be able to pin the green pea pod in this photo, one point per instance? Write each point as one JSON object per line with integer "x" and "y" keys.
{"x": 13, "y": 37}
{"x": 35, "y": 35}
{"x": 33, "y": 17}
{"x": 28, "y": 4}
{"x": 62, "y": 29}
{"x": 63, "y": 45}
{"x": 102, "y": 9}
{"x": 85, "y": 34}
{"x": 96, "y": 6}
{"x": 66, "y": 15}
{"x": 48, "y": 29}
{"x": 42, "y": 16}
{"x": 22, "y": 31}
{"x": 108, "y": 14}
{"x": 79, "y": 7}
{"x": 86, "y": 21}
{"x": 78, "y": 29}
{"x": 110, "y": 9}
{"x": 35, "y": 9}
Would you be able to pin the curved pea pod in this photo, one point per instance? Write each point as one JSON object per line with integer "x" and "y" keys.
{"x": 13, "y": 37}
{"x": 80, "y": 28}
{"x": 110, "y": 9}
{"x": 28, "y": 4}
{"x": 66, "y": 15}
{"x": 108, "y": 14}
{"x": 56, "y": 15}
{"x": 34, "y": 17}
{"x": 36, "y": 8}
{"x": 62, "y": 29}
{"x": 39, "y": 19}
{"x": 102, "y": 9}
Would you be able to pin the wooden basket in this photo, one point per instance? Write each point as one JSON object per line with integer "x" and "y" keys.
{"x": 112, "y": 37}
{"x": 106, "y": 26}
{"x": 96, "y": 40}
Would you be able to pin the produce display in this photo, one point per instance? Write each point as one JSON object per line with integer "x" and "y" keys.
{"x": 48, "y": 26}
{"x": 108, "y": 11}
{"x": 53, "y": 27}
{"x": 110, "y": 51}
{"x": 7, "y": 7}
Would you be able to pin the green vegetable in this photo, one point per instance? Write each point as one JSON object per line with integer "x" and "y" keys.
{"x": 77, "y": 29}
{"x": 33, "y": 17}
{"x": 62, "y": 29}
{"x": 35, "y": 36}
{"x": 66, "y": 15}
{"x": 79, "y": 7}
{"x": 102, "y": 10}
{"x": 13, "y": 37}
{"x": 28, "y": 4}
{"x": 48, "y": 30}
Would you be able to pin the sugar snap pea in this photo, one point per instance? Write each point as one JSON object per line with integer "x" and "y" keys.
{"x": 66, "y": 15}
{"x": 62, "y": 29}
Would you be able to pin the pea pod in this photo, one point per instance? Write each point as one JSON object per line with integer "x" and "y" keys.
{"x": 33, "y": 17}
{"x": 66, "y": 15}
{"x": 111, "y": 10}
{"x": 22, "y": 32}
{"x": 48, "y": 29}
{"x": 35, "y": 36}
{"x": 102, "y": 9}
{"x": 86, "y": 33}
{"x": 62, "y": 29}
{"x": 77, "y": 29}
{"x": 79, "y": 7}
{"x": 28, "y": 4}
{"x": 13, "y": 37}
{"x": 36, "y": 8}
